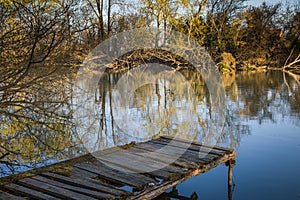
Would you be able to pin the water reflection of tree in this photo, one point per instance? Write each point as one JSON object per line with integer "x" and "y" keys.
{"x": 249, "y": 96}
{"x": 259, "y": 96}
{"x": 159, "y": 93}
{"x": 265, "y": 95}
{"x": 35, "y": 124}
{"x": 164, "y": 99}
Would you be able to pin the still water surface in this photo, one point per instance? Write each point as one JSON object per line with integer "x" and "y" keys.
{"x": 262, "y": 123}
{"x": 268, "y": 160}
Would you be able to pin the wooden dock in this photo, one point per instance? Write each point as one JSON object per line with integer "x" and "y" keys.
{"x": 119, "y": 173}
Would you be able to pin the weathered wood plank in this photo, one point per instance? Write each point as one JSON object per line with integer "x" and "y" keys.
{"x": 81, "y": 174}
{"x": 163, "y": 168}
{"x": 203, "y": 153}
{"x": 31, "y": 193}
{"x": 161, "y": 157}
{"x": 170, "y": 155}
{"x": 133, "y": 180}
{"x": 161, "y": 174}
{"x": 52, "y": 190}
{"x": 138, "y": 166}
{"x": 88, "y": 192}
{"x": 111, "y": 168}
{"x": 191, "y": 156}
{"x": 191, "y": 147}
{"x": 229, "y": 150}
{"x": 85, "y": 184}
{"x": 175, "y": 154}
{"x": 7, "y": 196}
{"x": 142, "y": 161}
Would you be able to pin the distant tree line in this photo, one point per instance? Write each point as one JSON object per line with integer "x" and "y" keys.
{"x": 51, "y": 32}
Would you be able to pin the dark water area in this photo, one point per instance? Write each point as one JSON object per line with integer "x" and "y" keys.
{"x": 260, "y": 119}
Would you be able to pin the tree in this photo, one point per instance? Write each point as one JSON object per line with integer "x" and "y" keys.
{"x": 160, "y": 11}
{"x": 32, "y": 36}
{"x": 97, "y": 8}
{"x": 293, "y": 59}
{"x": 294, "y": 32}
{"x": 192, "y": 20}
{"x": 30, "y": 33}
{"x": 260, "y": 36}
{"x": 225, "y": 23}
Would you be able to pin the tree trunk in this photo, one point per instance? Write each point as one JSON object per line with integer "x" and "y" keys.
{"x": 109, "y": 17}
{"x": 100, "y": 20}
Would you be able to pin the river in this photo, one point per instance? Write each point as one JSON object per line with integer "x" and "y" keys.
{"x": 259, "y": 118}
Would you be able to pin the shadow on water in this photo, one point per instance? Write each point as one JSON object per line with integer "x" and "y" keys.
{"x": 174, "y": 194}
{"x": 37, "y": 129}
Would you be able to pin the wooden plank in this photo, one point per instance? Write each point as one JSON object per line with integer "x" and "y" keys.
{"x": 131, "y": 159}
{"x": 186, "y": 158}
{"x": 170, "y": 155}
{"x": 204, "y": 153}
{"x": 162, "y": 157}
{"x": 162, "y": 167}
{"x": 191, "y": 147}
{"x": 137, "y": 181}
{"x": 86, "y": 184}
{"x": 32, "y": 194}
{"x": 188, "y": 155}
{"x": 88, "y": 192}
{"x": 161, "y": 173}
{"x": 5, "y": 196}
{"x": 120, "y": 171}
{"x": 52, "y": 190}
{"x": 136, "y": 166}
{"x": 142, "y": 161}
{"x": 229, "y": 150}
{"x": 80, "y": 174}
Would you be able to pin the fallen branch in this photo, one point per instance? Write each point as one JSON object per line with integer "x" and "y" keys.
{"x": 291, "y": 64}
